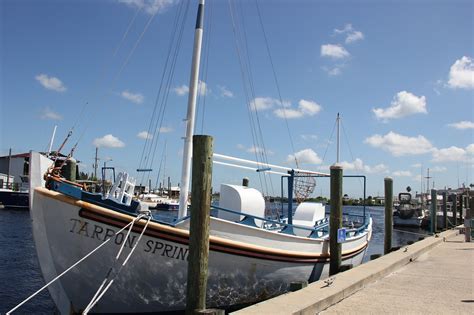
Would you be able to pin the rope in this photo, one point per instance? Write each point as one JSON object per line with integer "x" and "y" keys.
{"x": 74, "y": 265}
{"x": 102, "y": 290}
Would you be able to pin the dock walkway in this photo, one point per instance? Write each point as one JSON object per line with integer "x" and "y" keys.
{"x": 440, "y": 281}
{"x": 433, "y": 276}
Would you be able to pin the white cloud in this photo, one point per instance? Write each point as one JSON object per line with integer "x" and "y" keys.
{"x": 254, "y": 149}
{"x": 470, "y": 148}
{"x": 47, "y": 113}
{"x": 399, "y": 145}
{"x": 108, "y": 141}
{"x": 264, "y": 103}
{"x": 225, "y": 92}
{"x": 306, "y": 156}
{"x": 417, "y": 165}
{"x": 438, "y": 169}
{"x": 451, "y": 154}
{"x": 181, "y": 90}
{"x": 358, "y": 165}
{"x": 150, "y": 6}
{"x": 337, "y": 70}
{"x": 352, "y": 35}
{"x": 166, "y": 129}
{"x": 288, "y": 113}
{"x": 461, "y": 74}
{"x": 403, "y": 104}
{"x": 309, "y": 137}
{"x": 305, "y": 108}
{"x": 144, "y": 135}
{"x": 184, "y": 89}
{"x": 334, "y": 51}
{"x": 136, "y": 98}
{"x": 462, "y": 125}
{"x": 50, "y": 83}
{"x": 202, "y": 88}
{"x": 402, "y": 174}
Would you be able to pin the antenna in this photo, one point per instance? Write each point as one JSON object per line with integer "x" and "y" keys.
{"x": 428, "y": 181}
{"x": 338, "y": 137}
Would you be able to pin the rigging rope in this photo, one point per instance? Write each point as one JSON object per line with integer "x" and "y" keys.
{"x": 74, "y": 265}
{"x": 107, "y": 283}
{"x": 156, "y": 122}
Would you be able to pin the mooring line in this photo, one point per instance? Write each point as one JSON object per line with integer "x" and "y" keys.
{"x": 74, "y": 265}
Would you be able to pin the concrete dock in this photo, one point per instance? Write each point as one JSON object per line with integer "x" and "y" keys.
{"x": 434, "y": 276}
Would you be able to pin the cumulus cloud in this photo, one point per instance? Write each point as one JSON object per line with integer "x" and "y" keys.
{"x": 334, "y": 51}
{"x": 306, "y": 156}
{"x": 48, "y": 113}
{"x": 181, "y": 90}
{"x": 305, "y": 108}
{"x": 352, "y": 35}
{"x": 358, "y": 165}
{"x": 451, "y": 154}
{"x": 166, "y": 129}
{"x": 402, "y": 174}
{"x": 264, "y": 103}
{"x": 309, "y": 137}
{"x": 461, "y": 74}
{"x": 149, "y": 6}
{"x": 144, "y": 135}
{"x": 184, "y": 89}
{"x": 462, "y": 125}
{"x": 136, "y": 98}
{"x": 225, "y": 92}
{"x": 50, "y": 83}
{"x": 403, "y": 104}
{"x": 108, "y": 141}
{"x": 438, "y": 169}
{"x": 254, "y": 149}
{"x": 399, "y": 145}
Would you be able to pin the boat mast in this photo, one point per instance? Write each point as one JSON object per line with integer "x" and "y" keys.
{"x": 338, "y": 119}
{"x": 193, "y": 87}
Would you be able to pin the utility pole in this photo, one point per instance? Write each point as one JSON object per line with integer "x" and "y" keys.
{"x": 96, "y": 162}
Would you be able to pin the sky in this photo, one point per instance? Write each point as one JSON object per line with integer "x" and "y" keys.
{"x": 400, "y": 73}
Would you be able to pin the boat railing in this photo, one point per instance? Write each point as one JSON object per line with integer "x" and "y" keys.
{"x": 319, "y": 229}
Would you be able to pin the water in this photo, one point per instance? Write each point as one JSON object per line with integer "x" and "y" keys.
{"x": 20, "y": 274}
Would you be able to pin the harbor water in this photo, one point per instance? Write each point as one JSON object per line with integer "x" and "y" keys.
{"x": 20, "y": 274}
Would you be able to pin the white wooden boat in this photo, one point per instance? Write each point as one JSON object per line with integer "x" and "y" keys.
{"x": 251, "y": 258}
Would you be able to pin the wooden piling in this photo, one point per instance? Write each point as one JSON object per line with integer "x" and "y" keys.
{"x": 445, "y": 210}
{"x": 388, "y": 184}
{"x": 454, "y": 209}
{"x": 460, "y": 205}
{"x": 434, "y": 206}
{"x": 199, "y": 224}
{"x": 335, "y": 220}
{"x": 467, "y": 219}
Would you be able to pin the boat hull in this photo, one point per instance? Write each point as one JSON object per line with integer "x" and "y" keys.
{"x": 155, "y": 278}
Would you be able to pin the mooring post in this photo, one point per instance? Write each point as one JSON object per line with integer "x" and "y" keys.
{"x": 467, "y": 218}
{"x": 445, "y": 210}
{"x": 434, "y": 207}
{"x": 388, "y": 184}
{"x": 454, "y": 209}
{"x": 199, "y": 224}
{"x": 335, "y": 220}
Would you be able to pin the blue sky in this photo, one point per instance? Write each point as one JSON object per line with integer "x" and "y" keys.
{"x": 401, "y": 73}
